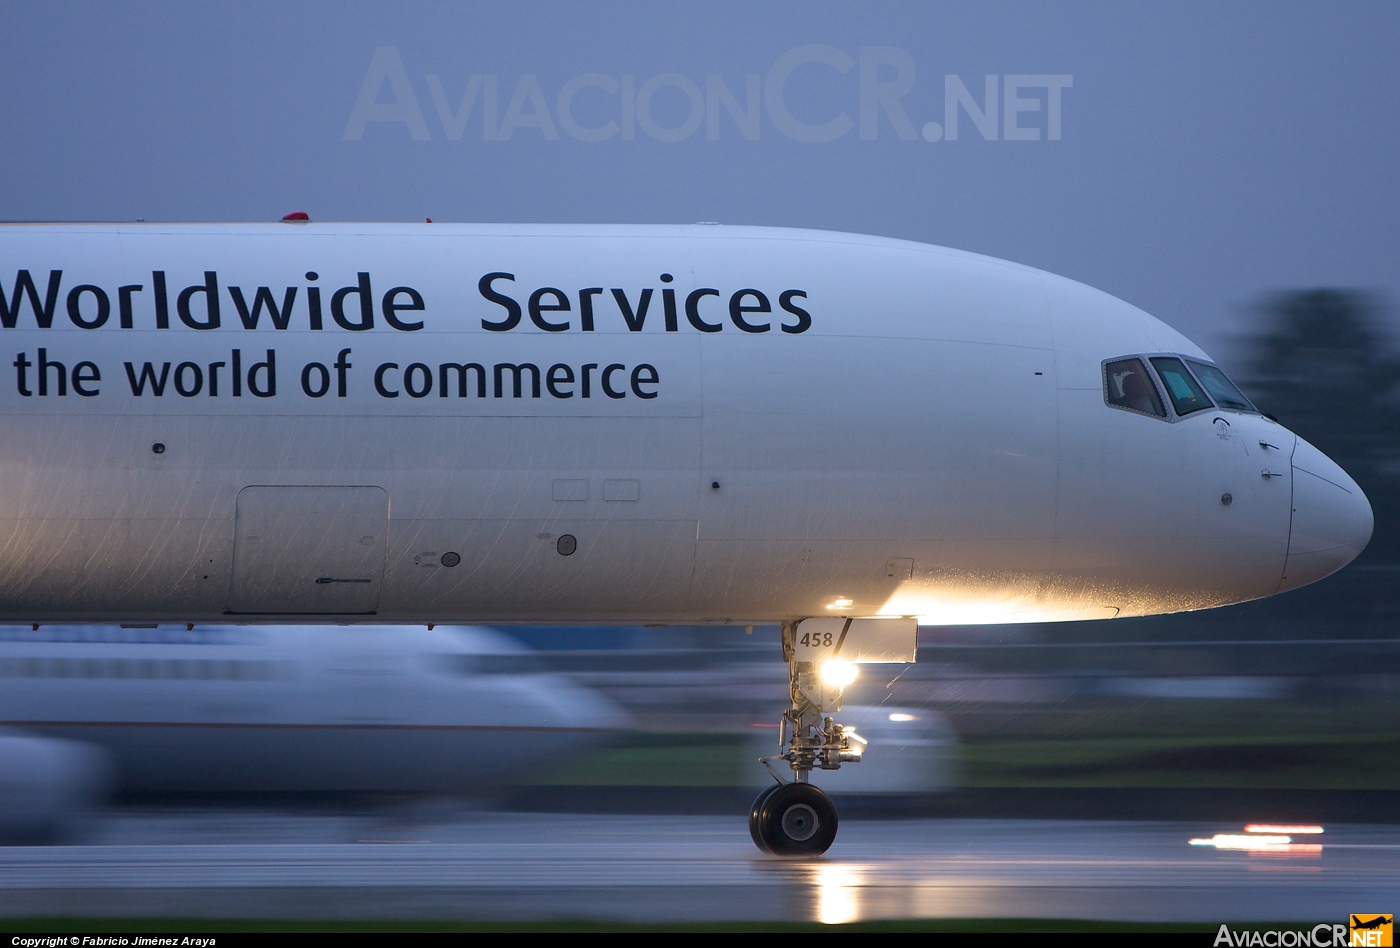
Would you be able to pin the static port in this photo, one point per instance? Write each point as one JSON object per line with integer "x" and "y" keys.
{"x": 566, "y": 545}
{"x": 158, "y": 447}
{"x": 449, "y": 559}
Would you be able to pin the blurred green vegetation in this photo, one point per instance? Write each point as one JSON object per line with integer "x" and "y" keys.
{"x": 1334, "y": 762}
{"x": 1145, "y": 743}
{"x": 1337, "y": 761}
{"x": 656, "y": 760}
{"x": 1185, "y": 743}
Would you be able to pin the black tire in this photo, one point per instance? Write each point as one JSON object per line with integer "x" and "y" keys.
{"x": 797, "y": 819}
{"x": 754, "y": 812}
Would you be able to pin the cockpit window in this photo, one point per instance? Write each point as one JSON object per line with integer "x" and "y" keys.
{"x": 1221, "y": 388}
{"x": 1127, "y": 385}
{"x": 1185, "y": 392}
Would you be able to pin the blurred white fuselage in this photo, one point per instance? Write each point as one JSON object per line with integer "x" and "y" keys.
{"x": 360, "y": 709}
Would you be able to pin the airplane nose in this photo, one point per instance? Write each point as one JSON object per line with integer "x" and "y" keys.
{"x": 1332, "y": 519}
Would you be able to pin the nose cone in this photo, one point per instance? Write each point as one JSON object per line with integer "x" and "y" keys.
{"x": 1332, "y": 519}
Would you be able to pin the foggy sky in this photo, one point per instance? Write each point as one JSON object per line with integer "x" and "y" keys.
{"x": 1209, "y": 152}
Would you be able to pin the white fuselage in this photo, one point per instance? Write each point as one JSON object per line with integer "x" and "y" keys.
{"x": 800, "y": 424}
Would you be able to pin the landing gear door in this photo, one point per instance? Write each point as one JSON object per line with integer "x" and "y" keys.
{"x": 309, "y": 550}
{"x": 864, "y": 641}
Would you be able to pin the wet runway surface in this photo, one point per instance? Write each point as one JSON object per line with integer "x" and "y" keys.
{"x": 461, "y": 864}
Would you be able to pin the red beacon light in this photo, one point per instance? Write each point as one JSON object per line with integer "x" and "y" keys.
{"x": 298, "y": 217}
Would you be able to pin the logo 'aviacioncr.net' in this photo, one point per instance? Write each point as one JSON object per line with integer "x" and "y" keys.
{"x": 1374, "y": 930}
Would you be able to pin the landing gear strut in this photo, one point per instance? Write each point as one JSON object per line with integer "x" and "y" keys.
{"x": 795, "y": 818}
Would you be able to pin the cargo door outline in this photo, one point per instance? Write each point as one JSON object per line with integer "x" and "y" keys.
{"x": 309, "y": 550}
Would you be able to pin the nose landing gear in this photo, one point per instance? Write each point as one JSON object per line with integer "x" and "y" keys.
{"x": 796, "y": 818}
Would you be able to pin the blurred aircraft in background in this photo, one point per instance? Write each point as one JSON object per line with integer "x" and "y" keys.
{"x": 364, "y": 709}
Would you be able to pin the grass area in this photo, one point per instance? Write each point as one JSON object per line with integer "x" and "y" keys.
{"x": 144, "y": 926}
{"x": 1338, "y": 761}
{"x": 1333, "y": 745}
{"x": 659, "y": 760}
{"x": 1333, "y": 762}
{"x": 1175, "y": 718}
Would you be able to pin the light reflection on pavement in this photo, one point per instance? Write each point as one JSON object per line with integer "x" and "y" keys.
{"x": 463, "y": 864}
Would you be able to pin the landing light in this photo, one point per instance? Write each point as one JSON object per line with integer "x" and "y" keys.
{"x": 838, "y": 673}
{"x": 841, "y": 603}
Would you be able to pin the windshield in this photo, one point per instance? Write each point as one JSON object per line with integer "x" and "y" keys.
{"x": 1128, "y": 386}
{"x": 1186, "y": 393}
{"x": 1220, "y": 388}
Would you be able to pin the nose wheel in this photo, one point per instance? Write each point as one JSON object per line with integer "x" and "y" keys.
{"x": 794, "y": 819}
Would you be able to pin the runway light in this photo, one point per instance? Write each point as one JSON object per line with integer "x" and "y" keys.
{"x": 1303, "y": 830}
{"x": 902, "y": 717}
{"x": 1242, "y": 841}
{"x": 838, "y": 673}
